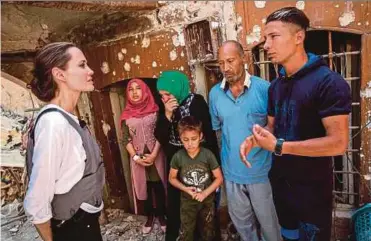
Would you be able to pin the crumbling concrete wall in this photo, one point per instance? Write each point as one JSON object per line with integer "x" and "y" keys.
{"x": 142, "y": 55}
{"x": 28, "y": 28}
{"x": 156, "y": 43}
{"x": 366, "y": 120}
{"x": 15, "y": 99}
{"x": 347, "y": 16}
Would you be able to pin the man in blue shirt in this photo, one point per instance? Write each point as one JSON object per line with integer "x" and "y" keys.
{"x": 236, "y": 104}
{"x": 308, "y": 113}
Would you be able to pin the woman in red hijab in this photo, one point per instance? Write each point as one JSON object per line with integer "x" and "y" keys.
{"x": 138, "y": 122}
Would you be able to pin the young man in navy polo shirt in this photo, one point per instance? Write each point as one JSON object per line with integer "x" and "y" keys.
{"x": 308, "y": 113}
{"x": 236, "y": 104}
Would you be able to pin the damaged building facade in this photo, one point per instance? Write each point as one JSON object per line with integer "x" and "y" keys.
{"x": 122, "y": 40}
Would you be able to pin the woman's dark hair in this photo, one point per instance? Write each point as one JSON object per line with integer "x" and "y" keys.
{"x": 50, "y": 56}
{"x": 290, "y": 15}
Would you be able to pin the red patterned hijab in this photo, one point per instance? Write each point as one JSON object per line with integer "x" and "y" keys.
{"x": 141, "y": 108}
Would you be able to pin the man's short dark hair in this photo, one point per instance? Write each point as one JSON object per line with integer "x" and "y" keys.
{"x": 189, "y": 123}
{"x": 236, "y": 44}
{"x": 290, "y": 15}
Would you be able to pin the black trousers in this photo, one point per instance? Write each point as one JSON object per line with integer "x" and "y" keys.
{"x": 304, "y": 205}
{"x": 83, "y": 226}
{"x": 172, "y": 213}
{"x": 157, "y": 190}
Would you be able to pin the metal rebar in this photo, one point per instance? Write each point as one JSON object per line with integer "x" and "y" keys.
{"x": 347, "y": 193}
{"x": 330, "y": 49}
{"x": 333, "y": 54}
{"x": 352, "y": 78}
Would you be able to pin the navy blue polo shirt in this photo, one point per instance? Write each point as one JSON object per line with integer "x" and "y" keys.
{"x": 298, "y": 105}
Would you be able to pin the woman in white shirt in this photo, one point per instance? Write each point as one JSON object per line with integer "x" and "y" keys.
{"x": 64, "y": 196}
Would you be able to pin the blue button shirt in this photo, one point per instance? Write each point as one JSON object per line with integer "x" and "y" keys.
{"x": 236, "y": 117}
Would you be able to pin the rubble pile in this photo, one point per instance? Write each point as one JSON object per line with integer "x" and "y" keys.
{"x": 11, "y": 127}
{"x": 12, "y": 184}
{"x": 121, "y": 226}
{"x": 12, "y": 158}
{"x": 127, "y": 227}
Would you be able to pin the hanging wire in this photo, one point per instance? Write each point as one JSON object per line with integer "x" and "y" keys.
{"x": 256, "y": 62}
{"x": 353, "y": 166}
{"x": 334, "y": 64}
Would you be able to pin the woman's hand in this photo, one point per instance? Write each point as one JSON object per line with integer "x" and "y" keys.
{"x": 170, "y": 105}
{"x": 142, "y": 162}
{"x": 150, "y": 158}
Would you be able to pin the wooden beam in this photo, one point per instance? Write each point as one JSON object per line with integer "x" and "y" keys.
{"x": 92, "y": 6}
{"x": 105, "y": 133}
{"x": 365, "y": 164}
{"x": 117, "y": 107}
{"x": 18, "y": 56}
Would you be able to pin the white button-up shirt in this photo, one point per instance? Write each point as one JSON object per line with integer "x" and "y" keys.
{"x": 58, "y": 164}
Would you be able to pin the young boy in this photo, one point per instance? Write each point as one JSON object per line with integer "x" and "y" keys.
{"x": 199, "y": 176}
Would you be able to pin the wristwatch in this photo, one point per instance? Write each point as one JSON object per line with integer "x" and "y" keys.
{"x": 136, "y": 157}
{"x": 278, "y": 147}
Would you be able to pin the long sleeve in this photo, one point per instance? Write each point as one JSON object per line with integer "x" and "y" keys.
{"x": 58, "y": 164}
{"x": 46, "y": 162}
{"x": 125, "y": 134}
{"x": 162, "y": 130}
{"x": 200, "y": 110}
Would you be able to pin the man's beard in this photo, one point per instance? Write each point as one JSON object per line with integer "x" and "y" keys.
{"x": 234, "y": 79}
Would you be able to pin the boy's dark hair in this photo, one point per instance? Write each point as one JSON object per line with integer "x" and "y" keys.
{"x": 290, "y": 15}
{"x": 189, "y": 123}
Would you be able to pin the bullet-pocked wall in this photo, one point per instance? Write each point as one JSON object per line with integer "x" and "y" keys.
{"x": 142, "y": 55}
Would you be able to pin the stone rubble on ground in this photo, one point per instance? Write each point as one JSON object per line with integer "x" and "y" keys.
{"x": 121, "y": 227}
{"x": 128, "y": 227}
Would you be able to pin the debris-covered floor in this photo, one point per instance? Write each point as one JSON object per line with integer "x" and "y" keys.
{"x": 121, "y": 226}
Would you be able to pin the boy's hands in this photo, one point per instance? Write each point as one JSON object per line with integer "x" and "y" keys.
{"x": 201, "y": 196}
{"x": 191, "y": 191}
